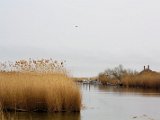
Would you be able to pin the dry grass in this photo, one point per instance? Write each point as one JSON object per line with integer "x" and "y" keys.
{"x": 128, "y": 78}
{"x": 145, "y": 80}
{"x": 41, "y": 87}
{"x": 38, "y": 92}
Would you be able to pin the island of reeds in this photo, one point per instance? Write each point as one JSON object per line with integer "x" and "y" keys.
{"x": 119, "y": 76}
{"x": 37, "y": 86}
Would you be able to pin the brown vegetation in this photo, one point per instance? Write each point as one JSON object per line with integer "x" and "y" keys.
{"x": 128, "y": 78}
{"x": 144, "y": 80}
{"x": 38, "y": 91}
{"x": 113, "y": 76}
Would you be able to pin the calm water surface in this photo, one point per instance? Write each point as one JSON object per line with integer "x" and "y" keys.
{"x": 112, "y": 103}
{"x": 107, "y": 103}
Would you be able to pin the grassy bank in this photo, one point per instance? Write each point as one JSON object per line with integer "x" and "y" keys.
{"x": 38, "y": 91}
{"x": 129, "y": 78}
{"x": 144, "y": 80}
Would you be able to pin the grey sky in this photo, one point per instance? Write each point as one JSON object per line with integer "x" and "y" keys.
{"x": 109, "y": 32}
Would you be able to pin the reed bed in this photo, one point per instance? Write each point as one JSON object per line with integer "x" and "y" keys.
{"x": 38, "y": 92}
{"x": 129, "y": 78}
{"x": 145, "y": 80}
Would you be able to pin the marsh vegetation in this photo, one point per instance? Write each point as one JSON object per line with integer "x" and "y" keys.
{"x": 129, "y": 78}
{"x": 37, "y": 85}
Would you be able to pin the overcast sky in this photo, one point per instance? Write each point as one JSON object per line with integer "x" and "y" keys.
{"x": 90, "y": 35}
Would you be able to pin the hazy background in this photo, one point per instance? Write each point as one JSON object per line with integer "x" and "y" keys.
{"x": 109, "y": 33}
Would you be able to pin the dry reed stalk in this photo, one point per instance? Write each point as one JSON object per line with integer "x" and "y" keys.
{"x": 146, "y": 80}
{"x": 48, "y": 90}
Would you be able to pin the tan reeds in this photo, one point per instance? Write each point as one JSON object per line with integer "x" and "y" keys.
{"x": 145, "y": 80}
{"x": 38, "y": 91}
{"x": 128, "y": 78}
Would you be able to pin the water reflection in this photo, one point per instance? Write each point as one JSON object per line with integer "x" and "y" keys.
{"x": 119, "y": 90}
{"x": 40, "y": 116}
{"x": 113, "y": 103}
{"x": 129, "y": 91}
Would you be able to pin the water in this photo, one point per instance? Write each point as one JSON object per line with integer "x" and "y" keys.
{"x": 107, "y": 103}
{"x": 112, "y": 103}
